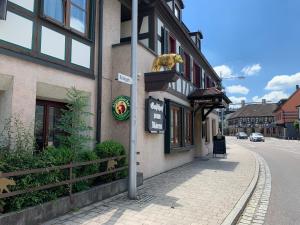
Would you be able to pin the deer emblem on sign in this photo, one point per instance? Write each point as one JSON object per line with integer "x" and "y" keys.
{"x": 4, "y": 182}
{"x": 111, "y": 165}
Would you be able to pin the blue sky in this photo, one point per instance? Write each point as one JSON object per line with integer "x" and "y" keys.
{"x": 259, "y": 39}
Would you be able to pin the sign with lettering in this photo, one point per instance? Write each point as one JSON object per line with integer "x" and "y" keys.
{"x": 121, "y": 108}
{"x": 124, "y": 78}
{"x": 3, "y": 9}
{"x": 155, "y": 116}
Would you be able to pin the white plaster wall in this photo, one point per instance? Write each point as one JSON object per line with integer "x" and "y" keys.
{"x": 207, "y": 148}
{"x": 27, "y": 83}
{"x": 111, "y": 35}
{"x": 152, "y": 158}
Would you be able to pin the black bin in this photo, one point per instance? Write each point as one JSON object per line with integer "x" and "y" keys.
{"x": 219, "y": 145}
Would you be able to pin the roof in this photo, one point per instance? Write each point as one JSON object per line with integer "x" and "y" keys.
{"x": 282, "y": 102}
{"x": 255, "y": 110}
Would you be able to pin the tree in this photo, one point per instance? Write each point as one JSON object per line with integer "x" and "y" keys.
{"x": 296, "y": 124}
{"x": 74, "y": 122}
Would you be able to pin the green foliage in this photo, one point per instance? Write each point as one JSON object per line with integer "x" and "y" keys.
{"x": 74, "y": 122}
{"x": 50, "y": 157}
{"x": 109, "y": 149}
{"x": 12, "y": 162}
{"x": 85, "y": 170}
{"x": 296, "y": 124}
{"x": 16, "y": 137}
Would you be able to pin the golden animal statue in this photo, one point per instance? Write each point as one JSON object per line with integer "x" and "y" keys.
{"x": 4, "y": 182}
{"x": 167, "y": 61}
{"x": 111, "y": 165}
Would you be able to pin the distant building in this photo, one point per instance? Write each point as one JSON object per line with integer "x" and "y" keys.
{"x": 253, "y": 118}
{"x": 286, "y": 114}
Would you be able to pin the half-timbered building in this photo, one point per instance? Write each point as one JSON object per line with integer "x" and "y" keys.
{"x": 47, "y": 46}
{"x": 190, "y": 92}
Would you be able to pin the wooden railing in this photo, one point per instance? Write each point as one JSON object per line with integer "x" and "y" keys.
{"x": 71, "y": 180}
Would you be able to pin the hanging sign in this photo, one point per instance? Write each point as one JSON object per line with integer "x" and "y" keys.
{"x": 3, "y": 9}
{"x": 121, "y": 108}
{"x": 155, "y": 117}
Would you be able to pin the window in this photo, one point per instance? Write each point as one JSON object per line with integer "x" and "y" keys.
{"x": 188, "y": 127}
{"x": 175, "y": 123}
{"x": 213, "y": 127}
{"x": 197, "y": 75}
{"x": 78, "y": 15}
{"x": 71, "y": 14}
{"x": 54, "y": 9}
{"x": 47, "y": 115}
{"x": 177, "y": 12}
{"x": 172, "y": 45}
{"x": 187, "y": 66}
{"x": 179, "y": 127}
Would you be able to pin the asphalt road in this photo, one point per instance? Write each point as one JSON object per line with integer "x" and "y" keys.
{"x": 283, "y": 158}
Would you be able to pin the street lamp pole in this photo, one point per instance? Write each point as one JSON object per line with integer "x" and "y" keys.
{"x": 222, "y": 110}
{"x": 132, "y": 189}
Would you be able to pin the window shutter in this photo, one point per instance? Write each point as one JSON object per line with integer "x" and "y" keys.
{"x": 181, "y": 65}
{"x": 166, "y": 42}
{"x": 3, "y": 9}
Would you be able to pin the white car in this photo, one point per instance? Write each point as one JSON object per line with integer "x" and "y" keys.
{"x": 257, "y": 137}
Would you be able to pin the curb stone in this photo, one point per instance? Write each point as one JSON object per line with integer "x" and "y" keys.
{"x": 233, "y": 217}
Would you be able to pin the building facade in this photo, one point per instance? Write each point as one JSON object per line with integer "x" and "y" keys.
{"x": 286, "y": 114}
{"x": 86, "y": 44}
{"x": 253, "y": 118}
{"x": 46, "y": 47}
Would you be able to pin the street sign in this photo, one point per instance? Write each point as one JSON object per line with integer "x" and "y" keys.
{"x": 124, "y": 78}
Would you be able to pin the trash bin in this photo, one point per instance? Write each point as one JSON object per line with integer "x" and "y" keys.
{"x": 219, "y": 145}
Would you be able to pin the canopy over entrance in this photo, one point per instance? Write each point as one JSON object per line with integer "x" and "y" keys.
{"x": 209, "y": 98}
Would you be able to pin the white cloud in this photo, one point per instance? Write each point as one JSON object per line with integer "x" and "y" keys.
{"x": 280, "y": 82}
{"x": 251, "y": 70}
{"x": 223, "y": 71}
{"x": 273, "y": 96}
{"x": 236, "y": 100}
{"x": 237, "y": 89}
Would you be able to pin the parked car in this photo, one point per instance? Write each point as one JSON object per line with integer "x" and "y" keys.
{"x": 241, "y": 135}
{"x": 257, "y": 137}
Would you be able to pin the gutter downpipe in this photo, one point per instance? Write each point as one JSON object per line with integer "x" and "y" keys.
{"x": 99, "y": 75}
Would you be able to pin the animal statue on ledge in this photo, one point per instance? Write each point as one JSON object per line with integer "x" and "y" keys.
{"x": 167, "y": 61}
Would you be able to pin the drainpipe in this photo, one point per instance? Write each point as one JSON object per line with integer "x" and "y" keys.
{"x": 99, "y": 75}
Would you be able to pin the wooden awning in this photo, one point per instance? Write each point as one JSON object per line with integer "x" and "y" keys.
{"x": 209, "y": 98}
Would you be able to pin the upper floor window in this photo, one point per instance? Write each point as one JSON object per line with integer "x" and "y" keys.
{"x": 177, "y": 11}
{"x": 72, "y": 14}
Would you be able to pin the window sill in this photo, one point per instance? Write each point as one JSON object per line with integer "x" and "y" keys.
{"x": 182, "y": 149}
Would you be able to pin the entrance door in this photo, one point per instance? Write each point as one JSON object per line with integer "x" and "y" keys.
{"x": 47, "y": 115}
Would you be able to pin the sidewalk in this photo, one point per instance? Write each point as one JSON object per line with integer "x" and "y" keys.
{"x": 203, "y": 192}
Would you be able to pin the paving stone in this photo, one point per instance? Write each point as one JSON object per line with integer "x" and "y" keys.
{"x": 202, "y": 193}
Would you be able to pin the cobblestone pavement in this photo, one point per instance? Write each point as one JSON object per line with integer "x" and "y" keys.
{"x": 203, "y": 192}
{"x": 257, "y": 207}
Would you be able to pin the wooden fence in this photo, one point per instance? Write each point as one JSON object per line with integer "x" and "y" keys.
{"x": 71, "y": 180}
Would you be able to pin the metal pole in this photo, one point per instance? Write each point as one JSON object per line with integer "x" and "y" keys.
{"x": 222, "y": 121}
{"x": 132, "y": 190}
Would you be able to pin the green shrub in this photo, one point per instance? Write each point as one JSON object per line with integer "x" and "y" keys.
{"x": 85, "y": 170}
{"x": 109, "y": 149}
{"x": 12, "y": 162}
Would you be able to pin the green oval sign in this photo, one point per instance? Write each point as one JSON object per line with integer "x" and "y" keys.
{"x": 121, "y": 108}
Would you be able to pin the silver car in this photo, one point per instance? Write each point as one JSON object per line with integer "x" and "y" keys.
{"x": 257, "y": 137}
